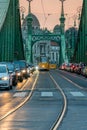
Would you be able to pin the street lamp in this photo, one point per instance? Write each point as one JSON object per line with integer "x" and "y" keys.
{"x": 75, "y": 18}
{"x": 79, "y": 14}
{"x": 22, "y": 10}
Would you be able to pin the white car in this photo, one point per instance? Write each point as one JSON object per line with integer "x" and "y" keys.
{"x": 5, "y": 78}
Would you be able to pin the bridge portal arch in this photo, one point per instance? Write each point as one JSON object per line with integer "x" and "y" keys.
{"x": 48, "y": 45}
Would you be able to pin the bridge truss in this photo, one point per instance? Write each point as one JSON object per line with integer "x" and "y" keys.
{"x": 11, "y": 45}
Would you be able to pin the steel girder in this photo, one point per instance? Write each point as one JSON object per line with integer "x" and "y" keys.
{"x": 80, "y": 54}
{"x": 11, "y": 45}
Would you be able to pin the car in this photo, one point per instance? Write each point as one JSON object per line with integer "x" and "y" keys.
{"x": 12, "y": 72}
{"x": 19, "y": 74}
{"x": 5, "y": 77}
{"x": 84, "y": 71}
{"x": 23, "y": 68}
{"x": 32, "y": 68}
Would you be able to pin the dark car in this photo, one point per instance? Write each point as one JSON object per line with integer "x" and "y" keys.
{"x": 23, "y": 68}
{"x": 19, "y": 74}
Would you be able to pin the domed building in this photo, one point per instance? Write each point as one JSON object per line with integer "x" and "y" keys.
{"x": 35, "y": 25}
{"x": 35, "y": 21}
{"x": 57, "y": 29}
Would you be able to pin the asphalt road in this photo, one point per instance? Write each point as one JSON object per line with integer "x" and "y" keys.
{"x": 41, "y": 111}
{"x": 75, "y": 88}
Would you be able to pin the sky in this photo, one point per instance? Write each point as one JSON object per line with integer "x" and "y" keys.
{"x": 48, "y": 11}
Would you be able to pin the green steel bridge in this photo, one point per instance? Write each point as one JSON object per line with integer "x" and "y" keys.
{"x": 80, "y": 53}
{"x": 11, "y": 43}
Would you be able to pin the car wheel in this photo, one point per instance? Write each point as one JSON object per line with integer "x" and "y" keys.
{"x": 21, "y": 79}
{"x": 14, "y": 83}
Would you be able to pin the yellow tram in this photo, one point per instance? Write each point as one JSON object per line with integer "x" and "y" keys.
{"x": 52, "y": 65}
{"x": 43, "y": 63}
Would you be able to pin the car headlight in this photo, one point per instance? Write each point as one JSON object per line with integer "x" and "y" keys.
{"x": 5, "y": 78}
{"x": 23, "y": 71}
{"x": 36, "y": 67}
{"x": 28, "y": 70}
{"x": 18, "y": 74}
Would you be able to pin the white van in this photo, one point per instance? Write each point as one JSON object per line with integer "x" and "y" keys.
{"x": 5, "y": 78}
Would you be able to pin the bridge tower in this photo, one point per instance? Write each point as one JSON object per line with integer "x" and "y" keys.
{"x": 63, "y": 56}
{"x": 29, "y": 42}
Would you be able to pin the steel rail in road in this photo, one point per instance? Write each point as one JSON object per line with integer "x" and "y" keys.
{"x": 75, "y": 84}
{"x": 62, "y": 113}
{"x": 23, "y": 102}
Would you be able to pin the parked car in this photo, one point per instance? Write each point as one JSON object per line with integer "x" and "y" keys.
{"x": 80, "y": 67}
{"x": 5, "y": 77}
{"x": 84, "y": 71}
{"x": 62, "y": 67}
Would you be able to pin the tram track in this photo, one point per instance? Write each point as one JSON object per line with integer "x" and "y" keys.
{"x": 22, "y": 101}
{"x": 76, "y": 98}
{"x": 62, "y": 113}
{"x": 72, "y": 79}
{"x": 63, "y": 108}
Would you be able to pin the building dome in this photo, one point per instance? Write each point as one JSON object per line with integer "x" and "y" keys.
{"x": 35, "y": 22}
{"x": 57, "y": 29}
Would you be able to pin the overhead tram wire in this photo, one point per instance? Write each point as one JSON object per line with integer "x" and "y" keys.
{"x": 43, "y": 11}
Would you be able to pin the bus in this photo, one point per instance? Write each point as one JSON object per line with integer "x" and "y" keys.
{"x": 43, "y": 63}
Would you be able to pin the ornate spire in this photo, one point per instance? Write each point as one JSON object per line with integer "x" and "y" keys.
{"x": 62, "y": 18}
{"x": 62, "y": 10}
{"x": 29, "y": 9}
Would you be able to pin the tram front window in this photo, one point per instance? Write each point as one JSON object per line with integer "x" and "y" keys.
{"x": 43, "y": 59}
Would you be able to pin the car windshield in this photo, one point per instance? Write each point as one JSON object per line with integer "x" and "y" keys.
{"x": 10, "y": 67}
{"x": 3, "y": 69}
{"x": 20, "y": 63}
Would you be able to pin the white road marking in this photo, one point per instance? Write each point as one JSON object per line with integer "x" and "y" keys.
{"x": 46, "y": 94}
{"x": 79, "y": 94}
{"x": 20, "y": 94}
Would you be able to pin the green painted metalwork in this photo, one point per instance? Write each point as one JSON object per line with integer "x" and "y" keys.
{"x": 71, "y": 38}
{"x": 50, "y": 37}
{"x": 29, "y": 42}
{"x": 80, "y": 54}
{"x": 63, "y": 54}
{"x": 11, "y": 45}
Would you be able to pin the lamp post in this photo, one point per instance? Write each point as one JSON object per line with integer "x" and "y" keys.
{"x": 79, "y": 9}
{"x": 22, "y": 10}
{"x": 29, "y": 25}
